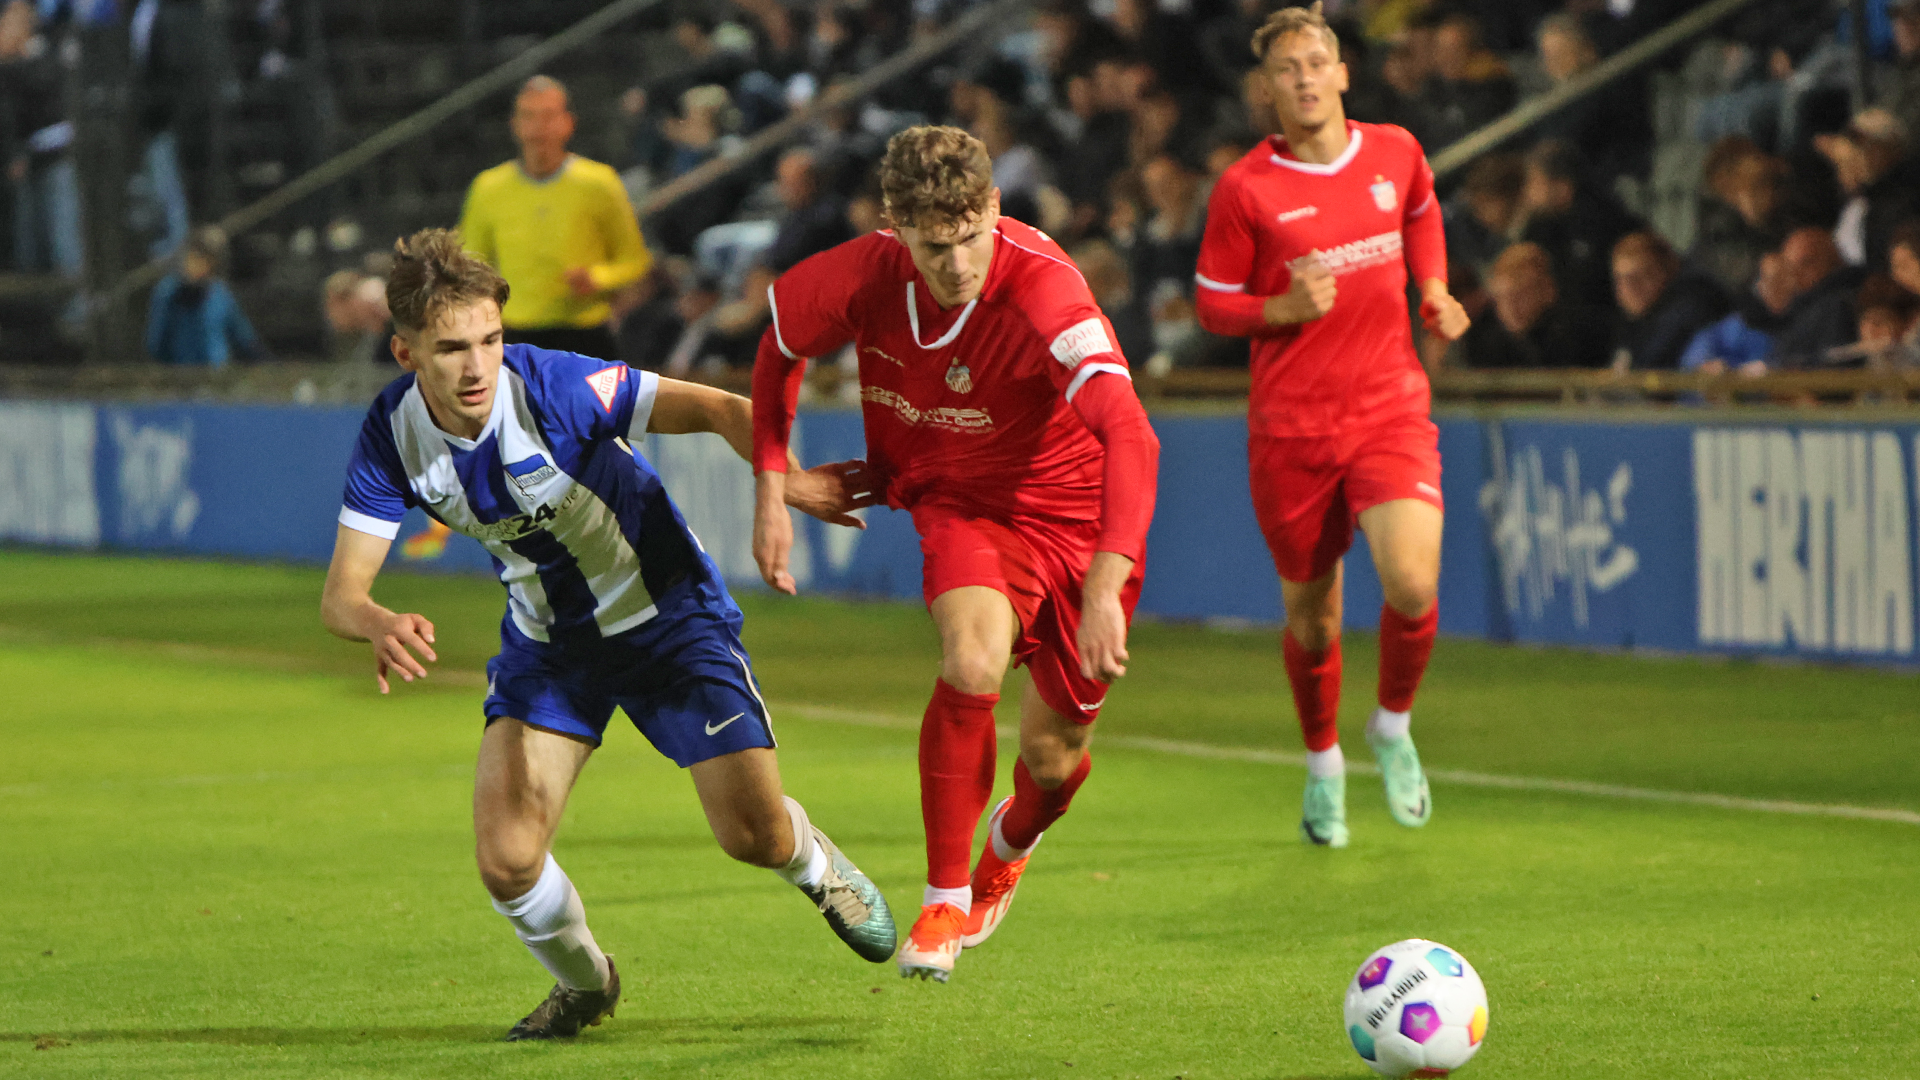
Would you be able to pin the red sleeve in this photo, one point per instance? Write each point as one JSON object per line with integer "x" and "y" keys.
{"x": 1113, "y": 413}
{"x": 1425, "y": 237}
{"x": 1232, "y": 314}
{"x": 809, "y": 308}
{"x": 776, "y": 395}
{"x": 1220, "y": 297}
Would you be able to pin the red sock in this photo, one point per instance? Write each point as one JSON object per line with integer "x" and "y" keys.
{"x": 956, "y": 779}
{"x": 1316, "y": 690}
{"x": 1034, "y": 807}
{"x": 1405, "y": 645}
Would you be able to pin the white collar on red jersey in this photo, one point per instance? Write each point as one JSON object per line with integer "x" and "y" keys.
{"x": 1331, "y": 167}
{"x": 946, "y": 339}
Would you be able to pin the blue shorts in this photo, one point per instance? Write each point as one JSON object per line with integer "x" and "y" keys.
{"x": 684, "y": 680}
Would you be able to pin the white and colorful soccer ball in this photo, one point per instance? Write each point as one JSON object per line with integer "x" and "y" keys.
{"x": 1416, "y": 1008}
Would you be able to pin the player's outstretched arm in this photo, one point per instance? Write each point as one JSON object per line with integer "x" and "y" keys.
{"x": 348, "y": 610}
{"x": 680, "y": 408}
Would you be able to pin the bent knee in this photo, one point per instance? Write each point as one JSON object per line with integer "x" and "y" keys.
{"x": 974, "y": 670}
{"x": 755, "y": 845}
{"x": 509, "y": 871}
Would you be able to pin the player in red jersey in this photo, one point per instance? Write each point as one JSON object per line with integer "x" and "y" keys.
{"x": 1308, "y": 243}
{"x": 1000, "y": 414}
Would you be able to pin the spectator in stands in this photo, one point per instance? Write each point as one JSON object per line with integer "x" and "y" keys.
{"x": 1888, "y": 318}
{"x": 1880, "y": 186}
{"x": 558, "y": 227}
{"x": 1532, "y": 328}
{"x": 1575, "y": 224}
{"x": 1903, "y": 255}
{"x": 1609, "y": 128}
{"x": 1822, "y": 316}
{"x": 1111, "y": 283}
{"x": 192, "y": 317}
{"x": 1743, "y": 213}
{"x": 1900, "y": 87}
{"x": 1481, "y": 220}
{"x": 39, "y": 129}
{"x": 1743, "y": 341}
{"x": 1470, "y": 86}
{"x": 1019, "y": 170}
{"x": 358, "y": 324}
{"x": 815, "y": 218}
{"x": 1167, "y": 248}
{"x": 1662, "y": 305}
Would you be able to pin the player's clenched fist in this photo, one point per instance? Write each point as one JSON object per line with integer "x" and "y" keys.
{"x": 1441, "y": 313}
{"x": 1309, "y": 296}
{"x": 396, "y": 643}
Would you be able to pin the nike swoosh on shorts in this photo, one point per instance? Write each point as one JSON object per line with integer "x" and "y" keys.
{"x": 714, "y": 729}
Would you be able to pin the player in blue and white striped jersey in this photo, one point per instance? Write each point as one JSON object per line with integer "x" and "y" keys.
{"x": 610, "y": 601}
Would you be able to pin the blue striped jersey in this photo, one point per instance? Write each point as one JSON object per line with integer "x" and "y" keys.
{"x": 580, "y": 529}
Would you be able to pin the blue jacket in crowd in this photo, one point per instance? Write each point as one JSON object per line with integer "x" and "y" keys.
{"x": 198, "y": 324}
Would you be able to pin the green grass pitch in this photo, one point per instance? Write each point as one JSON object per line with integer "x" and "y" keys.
{"x": 228, "y": 856}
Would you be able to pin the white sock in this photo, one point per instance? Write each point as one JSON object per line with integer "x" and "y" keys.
{"x": 552, "y": 923}
{"x": 810, "y": 861}
{"x": 1327, "y": 763}
{"x": 961, "y": 898}
{"x": 1001, "y": 848}
{"x": 1388, "y": 725}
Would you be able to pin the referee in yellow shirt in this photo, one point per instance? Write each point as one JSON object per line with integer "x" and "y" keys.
{"x": 558, "y": 227}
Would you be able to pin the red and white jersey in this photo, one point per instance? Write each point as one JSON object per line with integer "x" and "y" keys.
{"x": 970, "y": 406}
{"x": 1366, "y": 213}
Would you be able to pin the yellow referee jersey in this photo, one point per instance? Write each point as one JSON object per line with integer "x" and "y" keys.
{"x": 534, "y": 231}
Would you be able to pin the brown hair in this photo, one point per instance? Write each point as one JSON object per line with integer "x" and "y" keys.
{"x": 432, "y": 272}
{"x": 1527, "y": 259}
{"x": 1293, "y": 20}
{"x": 934, "y": 174}
{"x": 1882, "y": 293}
{"x": 1651, "y": 247}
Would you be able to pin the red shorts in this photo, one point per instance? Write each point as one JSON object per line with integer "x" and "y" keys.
{"x": 1309, "y": 491}
{"x": 1038, "y": 566}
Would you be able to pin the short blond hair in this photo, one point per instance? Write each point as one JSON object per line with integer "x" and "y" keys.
{"x": 934, "y": 174}
{"x": 1293, "y": 20}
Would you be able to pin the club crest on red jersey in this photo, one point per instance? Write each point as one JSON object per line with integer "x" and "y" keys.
{"x": 1383, "y": 195}
{"x": 959, "y": 378}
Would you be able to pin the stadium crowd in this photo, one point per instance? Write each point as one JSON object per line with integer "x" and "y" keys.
{"x": 1110, "y": 120}
{"x": 1109, "y": 124}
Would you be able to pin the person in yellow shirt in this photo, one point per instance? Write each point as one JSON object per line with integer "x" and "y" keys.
{"x": 559, "y": 228}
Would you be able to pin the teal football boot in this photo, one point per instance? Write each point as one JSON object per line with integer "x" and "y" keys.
{"x": 853, "y": 906}
{"x": 1323, "y": 815}
{"x": 1407, "y": 797}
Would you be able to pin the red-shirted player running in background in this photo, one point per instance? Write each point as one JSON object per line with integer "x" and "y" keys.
{"x": 999, "y": 412}
{"x": 1304, "y": 253}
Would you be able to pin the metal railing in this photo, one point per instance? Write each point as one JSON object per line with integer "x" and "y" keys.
{"x": 1632, "y": 58}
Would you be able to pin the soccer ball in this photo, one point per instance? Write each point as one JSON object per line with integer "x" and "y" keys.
{"x": 1416, "y": 1008}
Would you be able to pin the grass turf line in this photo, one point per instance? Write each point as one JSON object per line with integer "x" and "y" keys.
{"x": 1171, "y": 925}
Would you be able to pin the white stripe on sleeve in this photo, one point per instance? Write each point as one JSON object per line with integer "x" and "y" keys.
{"x": 372, "y": 526}
{"x": 1088, "y": 371}
{"x": 646, "y": 388}
{"x": 774, "y": 307}
{"x": 1219, "y": 286}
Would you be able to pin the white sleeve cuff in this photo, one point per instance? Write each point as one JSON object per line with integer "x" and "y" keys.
{"x": 646, "y": 387}
{"x": 773, "y": 308}
{"x": 1088, "y": 371}
{"x": 372, "y": 526}
{"x": 1219, "y": 286}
